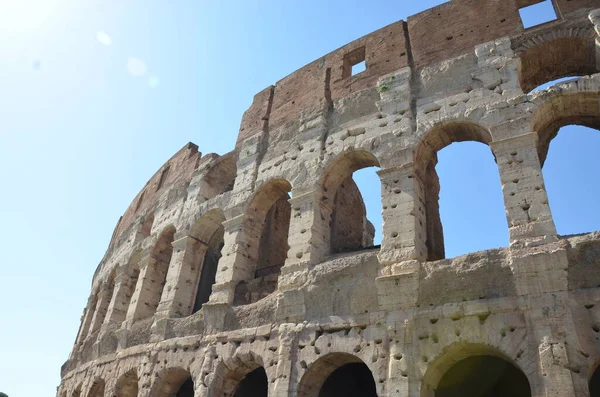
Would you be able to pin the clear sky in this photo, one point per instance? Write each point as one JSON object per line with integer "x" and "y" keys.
{"x": 96, "y": 95}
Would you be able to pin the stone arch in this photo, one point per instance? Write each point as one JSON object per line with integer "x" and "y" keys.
{"x": 434, "y": 140}
{"x": 349, "y": 228}
{"x": 573, "y": 103}
{"x": 220, "y": 176}
{"x": 240, "y": 378}
{"x": 266, "y": 226}
{"x": 103, "y": 302}
{"x": 325, "y": 378}
{"x": 549, "y": 56}
{"x": 594, "y": 380}
{"x": 127, "y": 384}
{"x": 207, "y": 235}
{"x": 147, "y": 224}
{"x": 474, "y": 367}
{"x": 173, "y": 382}
{"x": 77, "y": 391}
{"x": 161, "y": 256}
{"x": 97, "y": 388}
{"x": 133, "y": 274}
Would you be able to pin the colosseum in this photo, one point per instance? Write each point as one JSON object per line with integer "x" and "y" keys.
{"x": 254, "y": 273}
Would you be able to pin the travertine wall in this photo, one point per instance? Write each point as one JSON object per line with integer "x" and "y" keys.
{"x": 254, "y": 271}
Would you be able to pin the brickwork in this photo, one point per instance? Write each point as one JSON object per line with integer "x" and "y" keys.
{"x": 254, "y": 274}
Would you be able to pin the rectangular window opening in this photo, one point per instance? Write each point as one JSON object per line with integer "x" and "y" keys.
{"x": 354, "y": 62}
{"x": 163, "y": 176}
{"x": 538, "y": 13}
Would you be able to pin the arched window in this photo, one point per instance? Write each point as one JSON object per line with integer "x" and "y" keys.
{"x": 338, "y": 375}
{"x": 174, "y": 382}
{"x": 77, "y": 391}
{"x": 463, "y": 193}
{"x": 546, "y": 58}
{"x": 266, "y": 227}
{"x": 350, "y": 230}
{"x": 474, "y": 370}
{"x": 97, "y": 389}
{"x": 483, "y": 376}
{"x": 255, "y": 384}
{"x": 161, "y": 254}
{"x": 248, "y": 380}
{"x": 146, "y": 229}
{"x": 568, "y": 139}
{"x": 208, "y": 236}
{"x": 127, "y": 385}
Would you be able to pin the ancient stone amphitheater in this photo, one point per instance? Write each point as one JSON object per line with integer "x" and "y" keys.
{"x": 254, "y": 273}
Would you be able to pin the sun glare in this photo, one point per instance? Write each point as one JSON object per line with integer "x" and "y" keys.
{"x": 22, "y": 16}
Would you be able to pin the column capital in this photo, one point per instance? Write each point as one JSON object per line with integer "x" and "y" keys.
{"x": 530, "y": 139}
{"x": 405, "y": 169}
{"x": 233, "y": 223}
{"x": 183, "y": 242}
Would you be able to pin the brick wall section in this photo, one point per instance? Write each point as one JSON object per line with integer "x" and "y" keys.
{"x": 565, "y": 7}
{"x": 180, "y": 169}
{"x": 442, "y": 32}
{"x": 454, "y": 28}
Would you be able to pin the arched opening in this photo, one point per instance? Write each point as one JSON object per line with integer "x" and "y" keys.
{"x": 77, "y": 391}
{"x": 483, "y": 376}
{"x": 463, "y": 195}
{"x": 208, "y": 238}
{"x": 161, "y": 253}
{"x": 97, "y": 389}
{"x": 133, "y": 273}
{"x": 175, "y": 382}
{"x": 568, "y": 139}
{"x": 474, "y": 370}
{"x": 127, "y": 385}
{"x": 146, "y": 229}
{"x": 349, "y": 228}
{"x": 266, "y": 227}
{"x": 255, "y": 384}
{"x": 103, "y": 303}
{"x": 544, "y": 60}
{"x": 594, "y": 383}
{"x": 338, "y": 375}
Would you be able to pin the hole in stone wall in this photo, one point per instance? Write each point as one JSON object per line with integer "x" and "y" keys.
{"x": 186, "y": 389}
{"x": 569, "y": 173}
{"x": 354, "y": 62}
{"x": 538, "y": 14}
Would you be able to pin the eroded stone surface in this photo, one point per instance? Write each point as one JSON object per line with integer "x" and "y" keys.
{"x": 255, "y": 270}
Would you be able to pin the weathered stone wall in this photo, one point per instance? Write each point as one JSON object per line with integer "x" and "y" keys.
{"x": 254, "y": 271}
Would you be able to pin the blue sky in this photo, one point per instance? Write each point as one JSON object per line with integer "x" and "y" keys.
{"x": 80, "y": 135}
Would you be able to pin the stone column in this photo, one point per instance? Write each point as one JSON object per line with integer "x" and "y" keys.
{"x": 235, "y": 264}
{"x": 117, "y": 310}
{"x": 182, "y": 278}
{"x": 595, "y": 19}
{"x": 404, "y": 221}
{"x": 87, "y": 319}
{"x": 309, "y": 232}
{"x": 403, "y": 245}
{"x": 104, "y": 298}
{"x": 525, "y": 198}
{"x": 142, "y": 301}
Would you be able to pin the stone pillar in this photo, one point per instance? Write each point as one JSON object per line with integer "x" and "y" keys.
{"x": 117, "y": 310}
{"x": 182, "y": 278}
{"x": 404, "y": 218}
{"x": 309, "y": 232}
{"x": 104, "y": 298}
{"x": 525, "y": 199}
{"x": 87, "y": 318}
{"x": 143, "y": 299}
{"x": 403, "y": 245}
{"x": 235, "y": 264}
{"x": 595, "y": 19}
